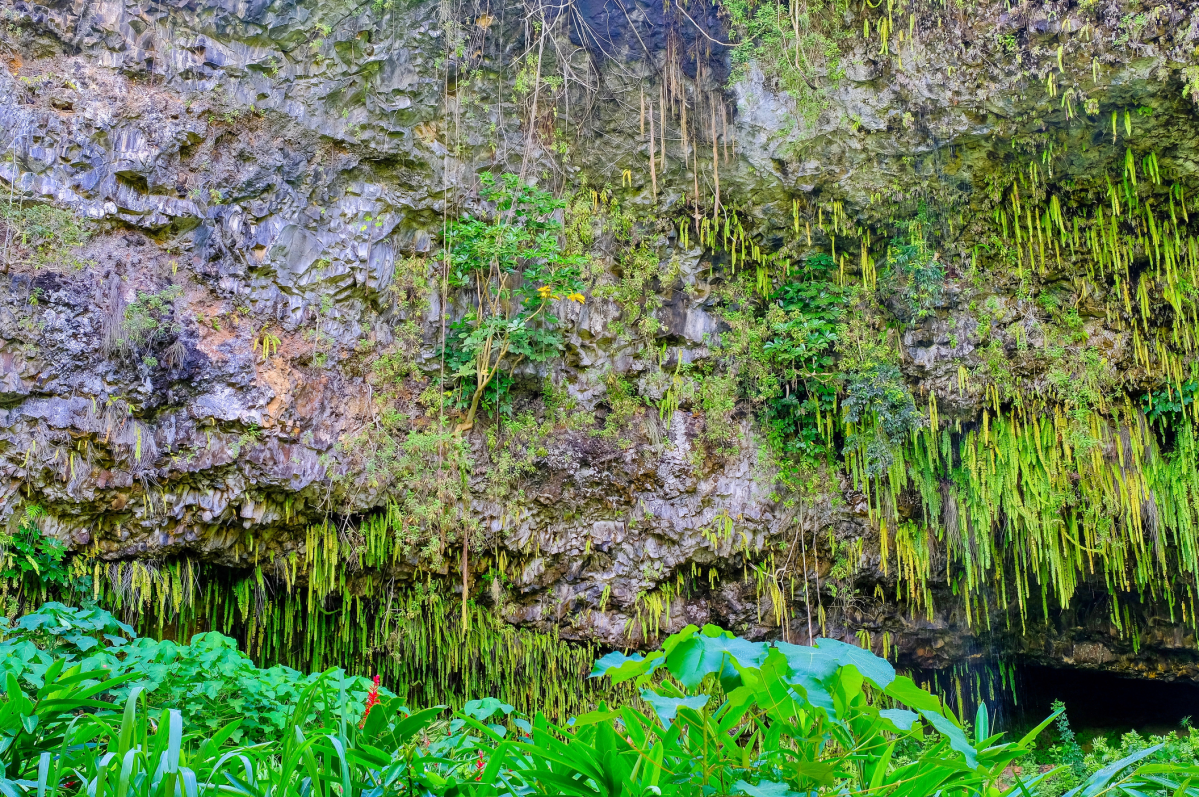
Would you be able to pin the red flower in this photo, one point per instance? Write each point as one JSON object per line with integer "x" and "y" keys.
{"x": 372, "y": 700}
{"x": 479, "y": 766}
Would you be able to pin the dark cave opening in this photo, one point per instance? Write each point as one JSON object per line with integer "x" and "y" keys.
{"x": 1104, "y": 701}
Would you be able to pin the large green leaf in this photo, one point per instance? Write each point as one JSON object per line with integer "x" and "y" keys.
{"x": 710, "y": 652}
{"x": 874, "y": 669}
{"x": 620, "y": 667}
{"x": 667, "y": 708}
{"x": 955, "y": 735}
{"x": 812, "y": 672}
{"x": 900, "y": 718}
{"x": 766, "y": 789}
{"x": 485, "y": 708}
{"x": 905, "y": 691}
{"x": 1098, "y": 783}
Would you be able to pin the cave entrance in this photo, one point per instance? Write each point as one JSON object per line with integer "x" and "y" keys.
{"x": 1103, "y": 701}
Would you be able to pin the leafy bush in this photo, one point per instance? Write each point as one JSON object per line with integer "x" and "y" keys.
{"x": 1165, "y": 406}
{"x": 878, "y": 401}
{"x": 510, "y": 268}
{"x": 804, "y": 318}
{"x": 32, "y": 561}
{"x": 41, "y": 235}
{"x": 914, "y": 273}
{"x": 208, "y": 680}
{"x": 150, "y": 319}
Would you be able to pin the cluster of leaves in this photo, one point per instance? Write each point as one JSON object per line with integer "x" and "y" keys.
{"x": 880, "y": 405}
{"x": 819, "y": 375}
{"x": 1190, "y": 82}
{"x": 209, "y": 681}
{"x": 639, "y": 268}
{"x": 804, "y": 316}
{"x": 41, "y": 235}
{"x": 914, "y": 274}
{"x": 623, "y": 405}
{"x": 32, "y": 561}
{"x": 149, "y": 321}
{"x": 420, "y": 464}
{"x": 1075, "y": 771}
{"x": 510, "y": 267}
{"x": 1164, "y": 406}
{"x": 425, "y": 474}
{"x": 727, "y": 717}
{"x": 792, "y": 44}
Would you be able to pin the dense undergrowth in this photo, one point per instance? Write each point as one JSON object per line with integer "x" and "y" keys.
{"x": 88, "y": 710}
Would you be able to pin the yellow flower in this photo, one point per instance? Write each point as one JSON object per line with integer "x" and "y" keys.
{"x": 576, "y": 297}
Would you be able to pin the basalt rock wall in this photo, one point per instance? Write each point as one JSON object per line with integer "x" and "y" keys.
{"x": 268, "y": 184}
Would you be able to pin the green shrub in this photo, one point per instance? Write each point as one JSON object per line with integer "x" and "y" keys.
{"x": 42, "y": 235}
{"x": 800, "y": 352}
{"x": 510, "y": 267}
{"x": 913, "y": 272}
{"x": 879, "y": 403}
{"x": 32, "y": 561}
{"x": 208, "y": 680}
{"x": 150, "y": 318}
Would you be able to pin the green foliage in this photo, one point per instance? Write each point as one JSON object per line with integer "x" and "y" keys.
{"x": 803, "y": 319}
{"x": 1060, "y": 511}
{"x": 822, "y": 712}
{"x": 795, "y": 46}
{"x": 638, "y": 267}
{"x": 42, "y": 235}
{"x": 1190, "y": 82}
{"x": 207, "y": 680}
{"x": 1066, "y": 754}
{"x": 878, "y": 403}
{"x": 32, "y": 562}
{"x": 150, "y": 319}
{"x": 913, "y": 273}
{"x": 624, "y": 405}
{"x": 1105, "y": 769}
{"x": 425, "y": 474}
{"x": 1165, "y": 749}
{"x": 1165, "y": 406}
{"x": 510, "y": 268}
{"x": 718, "y": 398}
{"x": 46, "y": 747}
{"x": 725, "y": 716}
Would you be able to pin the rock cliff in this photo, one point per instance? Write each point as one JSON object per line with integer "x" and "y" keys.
{"x": 222, "y": 310}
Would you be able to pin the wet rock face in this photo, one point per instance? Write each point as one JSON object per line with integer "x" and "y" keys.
{"x": 277, "y": 164}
